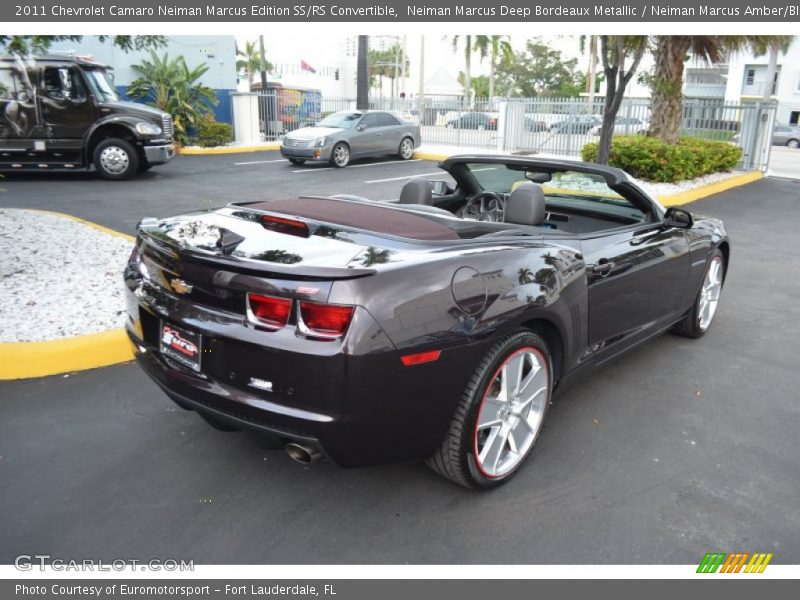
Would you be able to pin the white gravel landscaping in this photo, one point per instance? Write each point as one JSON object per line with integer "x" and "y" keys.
{"x": 58, "y": 278}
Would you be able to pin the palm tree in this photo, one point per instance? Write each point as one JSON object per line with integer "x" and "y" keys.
{"x": 670, "y": 53}
{"x": 494, "y": 46}
{"x": 169, "y": 84}
{"x": 250, "y": 62}
{"x": 468, "y": 49}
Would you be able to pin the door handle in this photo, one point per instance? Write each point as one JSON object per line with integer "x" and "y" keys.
{"x": 641, "y": 239}
{"x": 602, "y": 268}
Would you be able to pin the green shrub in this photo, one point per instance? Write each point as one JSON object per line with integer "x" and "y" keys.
{"x": 652, "y": 160}
{"x": 211, "y": 133}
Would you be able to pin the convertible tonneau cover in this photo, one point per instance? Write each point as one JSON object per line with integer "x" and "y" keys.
{"x": 361, "y": 215}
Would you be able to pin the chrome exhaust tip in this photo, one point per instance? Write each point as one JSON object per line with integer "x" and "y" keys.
{"x": 302, "y": 454}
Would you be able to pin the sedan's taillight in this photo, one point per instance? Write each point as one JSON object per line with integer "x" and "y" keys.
{"x": 268, "y": 311}
{"x": 324, "y": 321}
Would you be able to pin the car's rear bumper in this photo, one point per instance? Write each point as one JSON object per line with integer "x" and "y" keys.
{"x": 354, "y": 399}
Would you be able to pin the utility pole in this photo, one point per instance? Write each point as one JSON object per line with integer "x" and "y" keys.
{"x": 264, "y": 99}
{"x": 592, "y": 70}
{"x": 362, "y": 76}
{"x": 421, "y": 92}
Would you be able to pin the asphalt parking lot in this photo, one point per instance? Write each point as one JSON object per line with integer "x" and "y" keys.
{"x": 197, "y": 182}
{"x": 679, "y": 448}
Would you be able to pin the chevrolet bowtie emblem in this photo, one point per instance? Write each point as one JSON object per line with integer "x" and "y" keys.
{"x": 179, "y": 286}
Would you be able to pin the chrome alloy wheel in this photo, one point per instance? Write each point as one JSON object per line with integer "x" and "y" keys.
{"x": 512, "y": 412}
{"x": 341, "y": 155}
{"x": 709, "y": 293}
{"x": 114, "y": 160}
{"x": 406, "y": 148}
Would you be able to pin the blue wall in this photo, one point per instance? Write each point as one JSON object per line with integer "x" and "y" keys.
{"x": 222, "y": 111}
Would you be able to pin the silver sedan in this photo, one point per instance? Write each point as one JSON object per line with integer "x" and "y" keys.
{"x": 346, "y": 135}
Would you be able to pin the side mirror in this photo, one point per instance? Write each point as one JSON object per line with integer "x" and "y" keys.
{"x": 361, "y": 127}
{"x": 439, "y": 187}
{"x": 677, "y": 217}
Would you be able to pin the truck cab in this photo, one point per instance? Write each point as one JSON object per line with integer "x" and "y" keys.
{"x": 63, "y": 112}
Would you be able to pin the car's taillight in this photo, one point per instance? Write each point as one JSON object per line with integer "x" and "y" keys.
{"x": 324, "y": 321}
{"x": 268, "y": 310}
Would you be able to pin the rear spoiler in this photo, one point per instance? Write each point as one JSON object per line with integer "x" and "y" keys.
{"x": 160, "y": 244}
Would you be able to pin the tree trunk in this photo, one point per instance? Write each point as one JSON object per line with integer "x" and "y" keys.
{"x": 617, "y": 79}
{"x": 667, "y": 98}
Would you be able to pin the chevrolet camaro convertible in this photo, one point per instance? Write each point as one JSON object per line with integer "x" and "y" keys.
{"x": 434, "y": 327}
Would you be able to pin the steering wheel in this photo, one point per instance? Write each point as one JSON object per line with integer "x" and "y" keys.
{"x": 483, "y": 206}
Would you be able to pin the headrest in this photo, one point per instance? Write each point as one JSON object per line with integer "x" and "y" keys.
{"x": 417, "y": 191}
{"x": 525, "y": 205}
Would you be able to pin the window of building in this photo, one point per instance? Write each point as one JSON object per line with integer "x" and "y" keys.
{"x": 750, "y": 77}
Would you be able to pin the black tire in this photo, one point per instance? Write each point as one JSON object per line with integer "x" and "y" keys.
{"x": 403, "y": 150}
{"x": 343, "y": 148}
{"x": 115, "y": 159}
{"x": 297, "y": 161}
{"x": 793, "y": 143}
{"x": 455, "y": 459}
{"x": 216, "y": 423}
{"x": 143, "y": 166}
{"x": 689, "y": 325}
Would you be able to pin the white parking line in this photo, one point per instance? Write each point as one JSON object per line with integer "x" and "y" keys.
{"x": 405, "y": 177}
{"x": 260, "y": 162}
{"x": 314, "y": 170}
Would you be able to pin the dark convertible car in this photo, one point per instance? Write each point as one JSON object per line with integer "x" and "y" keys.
{"x": 435, "y": 327}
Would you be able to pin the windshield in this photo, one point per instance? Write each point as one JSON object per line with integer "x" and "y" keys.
{"x": 340, "y": 120}
{"x": 101, "y": 85}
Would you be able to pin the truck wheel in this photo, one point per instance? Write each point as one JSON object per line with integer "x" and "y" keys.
{"x": 500, "y": 415}
{"x": 143, "y": 166}
{"x": 114, "y": 158}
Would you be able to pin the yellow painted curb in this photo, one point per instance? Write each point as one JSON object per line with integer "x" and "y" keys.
{"x": 268, "y": 147}
{"x": 430, "y": 156}
{"x": 106, "y": 230}
{"x": 22, "y": 360}
{"x": 712, "y": 188}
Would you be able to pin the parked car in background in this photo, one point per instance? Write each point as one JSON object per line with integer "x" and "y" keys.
{"x": 576, "y": 124}
{"x": 782, "y": 135}
{"x": 63, "y": 112}
{"x": 349, "y": 134}
{"x": 473, "y": 120}
{"x": 625, "y": 126}
{"x": 409, "y": 116}
{"x": 534, "y": 125}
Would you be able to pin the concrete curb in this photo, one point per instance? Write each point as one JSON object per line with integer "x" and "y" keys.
{"x": 672, "y": 200}
{"x": 268, "y": 147}
{"x": 24, "y": 360}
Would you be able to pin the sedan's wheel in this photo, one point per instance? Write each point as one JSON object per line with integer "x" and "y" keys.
{"x": 698, "y": 320}
{"x": 115, "y": 158}
{"x": 793, "y": 143}
{"x": 406, "y": 150}
{"x": 340, "y": 155}
{"x": 500, "y": 415}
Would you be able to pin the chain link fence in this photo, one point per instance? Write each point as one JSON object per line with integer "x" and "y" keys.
{"x": 552, "y": 126}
